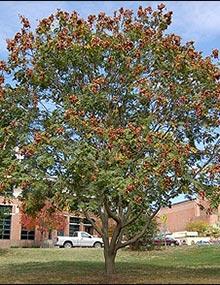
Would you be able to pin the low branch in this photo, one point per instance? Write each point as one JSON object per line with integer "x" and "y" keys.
{"x": 132, "y": 219}
{"x": 92, "y": 222}
{"x": 140, "y": 234}
{"x": 115, "y": 236}
{"x": 110, "y": 213}
{"x": 118, "y": 227}
{"x": 104, "y": 219}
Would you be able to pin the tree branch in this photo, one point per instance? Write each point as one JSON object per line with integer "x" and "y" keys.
{"x": 92, "y": 222}
{"x": 118, "y": 228}
{"x": 132, "y": 219}
{"x": 110, "y": 213}
{"x": 140, "y": 234}
{"x": 104, "y": 219}
{"x": 208, "y": 161}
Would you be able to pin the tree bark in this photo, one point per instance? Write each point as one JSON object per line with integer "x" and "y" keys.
{"x": 109, "y": 261}
{"x": 109, "y": 248}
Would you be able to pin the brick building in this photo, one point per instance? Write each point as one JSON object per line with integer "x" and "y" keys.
{"x": 12, "y": 233}
{"x": 182, "y": 213}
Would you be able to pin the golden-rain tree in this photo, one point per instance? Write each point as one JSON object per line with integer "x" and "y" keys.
{"x": 124, "y": 116}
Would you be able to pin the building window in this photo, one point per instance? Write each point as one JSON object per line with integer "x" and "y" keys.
{"x": 87, "y": 226}
{"x": 5, "y": 221}
{"x": 60, "y": 233}
{"x": 74, "y": 225}
{"x": 27, "y": 235}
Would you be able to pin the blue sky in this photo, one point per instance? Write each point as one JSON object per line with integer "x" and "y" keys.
{"x": 195, "y": 20}
{"x": 192, "y": 20}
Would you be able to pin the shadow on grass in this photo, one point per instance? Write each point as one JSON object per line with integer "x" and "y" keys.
{"x": 87, "y": 272}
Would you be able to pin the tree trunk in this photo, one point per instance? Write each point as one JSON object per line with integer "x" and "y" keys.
{"x": 109, "y": 261}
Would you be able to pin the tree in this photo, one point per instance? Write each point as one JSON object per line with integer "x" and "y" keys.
{"x": 198, "y": 226}
{"x": 46, "y": 220}
{"x": 123, "y": 116}
{"x": 213, "y": 231}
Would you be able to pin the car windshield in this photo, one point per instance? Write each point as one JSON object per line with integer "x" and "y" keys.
{"x": 85, "y": 235}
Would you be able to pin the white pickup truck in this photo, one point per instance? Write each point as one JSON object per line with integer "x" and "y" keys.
{"x": 79, "y": 239}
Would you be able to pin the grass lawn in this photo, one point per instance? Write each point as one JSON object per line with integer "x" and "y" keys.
{"x": 183, "y": 265}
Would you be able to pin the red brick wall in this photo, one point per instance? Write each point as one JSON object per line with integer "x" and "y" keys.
{"x": 180, "y": 214}
{"x": 16, "y": 227}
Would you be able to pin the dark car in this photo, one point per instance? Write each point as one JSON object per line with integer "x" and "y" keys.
{"x": 168, "y": 241}
{"x": 203, "y": 242}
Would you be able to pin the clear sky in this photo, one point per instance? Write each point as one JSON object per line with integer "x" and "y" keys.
{"x": 192, "y": 20}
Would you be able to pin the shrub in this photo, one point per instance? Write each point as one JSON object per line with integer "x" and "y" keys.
{"x": 198, "y": 226}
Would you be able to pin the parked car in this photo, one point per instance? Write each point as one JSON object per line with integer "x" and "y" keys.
{"x": 215, "y": 242}
{"x": 159, "y": 241}
{"x": 203, "y": 242}
{"x": 79, "y": 239}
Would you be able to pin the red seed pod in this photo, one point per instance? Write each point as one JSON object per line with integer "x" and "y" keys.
{"x": 215, "y": 53}
{"x": 73, "y": 99}
{"x": 2, "y": 79}
{"x": 161, "y": 6}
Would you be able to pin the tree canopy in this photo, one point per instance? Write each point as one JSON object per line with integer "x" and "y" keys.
{"x": 123, "y": 116}
{"x": 46, "y": 220}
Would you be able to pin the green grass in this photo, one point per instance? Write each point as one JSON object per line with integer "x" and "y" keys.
{"x": 182, "y": 265}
